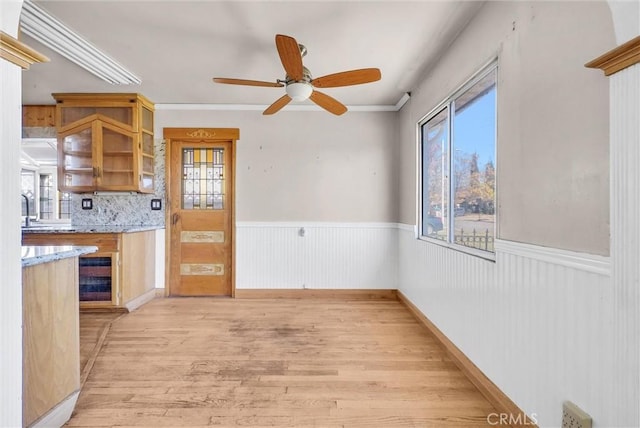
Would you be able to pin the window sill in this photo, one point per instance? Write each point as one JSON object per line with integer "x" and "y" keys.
{"x": 460, "y": 248}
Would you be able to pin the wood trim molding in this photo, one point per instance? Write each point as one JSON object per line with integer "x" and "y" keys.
{"x": 342, "y": 294}
{"x": 16, "y": 52}
{"x": 488, "y": 389}
{"x": 201, "y": 133}
{"x": 619, "y": 58}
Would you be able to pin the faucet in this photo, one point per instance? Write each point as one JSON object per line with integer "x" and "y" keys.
{"x": 27, "y": 220}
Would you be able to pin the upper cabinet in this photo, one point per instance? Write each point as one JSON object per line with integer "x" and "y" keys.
{"x": 105, "y": 142}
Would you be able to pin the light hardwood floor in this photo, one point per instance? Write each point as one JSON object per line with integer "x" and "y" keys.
{"x": 93, "y": 327}
{"x": 287, "y": 363}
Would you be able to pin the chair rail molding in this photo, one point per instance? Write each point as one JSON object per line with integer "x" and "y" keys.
{"x": 581, "y": 261}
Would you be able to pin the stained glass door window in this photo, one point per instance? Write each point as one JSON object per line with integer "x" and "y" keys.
{"x": 203, "y": 186}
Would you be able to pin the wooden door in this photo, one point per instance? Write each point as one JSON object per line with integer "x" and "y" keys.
{"x": 200, "y": 216}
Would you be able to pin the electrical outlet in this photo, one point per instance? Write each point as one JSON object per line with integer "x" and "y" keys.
{"x": 574, "y": 417}
{"x": 87, "y": 203}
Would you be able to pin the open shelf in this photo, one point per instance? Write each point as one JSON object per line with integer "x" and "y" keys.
{"x": 78, "y": 170}
{"x": 118, "y": 153}
{"x": 81, "y": 153}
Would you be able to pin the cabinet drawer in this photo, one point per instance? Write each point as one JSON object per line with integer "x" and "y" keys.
{"x": 106, "y": 242}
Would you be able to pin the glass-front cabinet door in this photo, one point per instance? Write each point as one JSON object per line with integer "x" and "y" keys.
{"x": 97, "y": 156}
{"x": 115, "y": 166}
{"x": 76, "y": 171}
{"x": 105, "y": 142}
{"x": 146, "y": 146}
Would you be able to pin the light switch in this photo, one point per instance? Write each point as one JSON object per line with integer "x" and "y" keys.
{"x": 156, "y": 204}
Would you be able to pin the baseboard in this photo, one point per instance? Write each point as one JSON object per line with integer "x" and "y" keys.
{"x": 60, "y": 414}
{"x": 134, "y": 304}
{"x": 488, "y": 389}
{"x": 340, "y": 294}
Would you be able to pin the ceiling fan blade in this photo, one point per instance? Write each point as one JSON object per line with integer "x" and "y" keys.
{"x": 280, "y": 102}
{"x": 247, "y": 82}
{"x": 347, "y": 78}
{"x": 328, "y": 103}
{"x": 290, "y": 56}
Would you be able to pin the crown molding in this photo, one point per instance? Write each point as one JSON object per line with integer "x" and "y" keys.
{"x": 619, "y": 58}
{"x": 38, "y": 23}
{"x": 291, "y": 107}
{"x": 16, "y": 52}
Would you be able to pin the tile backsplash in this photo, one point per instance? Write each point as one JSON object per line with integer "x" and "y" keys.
{"x": 121, "y": 208}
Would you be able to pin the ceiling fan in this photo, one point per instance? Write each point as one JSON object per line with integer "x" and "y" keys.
{"x": 298, "y": 82}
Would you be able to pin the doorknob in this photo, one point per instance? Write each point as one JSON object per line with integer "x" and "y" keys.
{"x": 174, "y": 219}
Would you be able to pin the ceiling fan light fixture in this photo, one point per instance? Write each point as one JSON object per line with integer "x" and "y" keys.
{"x": 299, "y": 91}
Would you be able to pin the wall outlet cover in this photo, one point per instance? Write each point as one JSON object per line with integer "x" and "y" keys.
{"x": 87, "y": 204}
{"x": 574, "y": 417}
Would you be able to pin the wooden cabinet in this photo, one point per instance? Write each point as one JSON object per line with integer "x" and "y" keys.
{"x": 50, "y": 338}
{"x": 105, "y": 142}
{"x": 121, "y": 274}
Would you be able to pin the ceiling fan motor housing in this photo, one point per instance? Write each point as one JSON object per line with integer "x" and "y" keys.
{"x": 306, "y": 77}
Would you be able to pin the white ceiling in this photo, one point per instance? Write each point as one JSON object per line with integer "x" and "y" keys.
{"x": 176, "y": 47}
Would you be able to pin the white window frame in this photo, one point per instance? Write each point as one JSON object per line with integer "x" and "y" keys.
{"x": 53, "y": 171}
{"x": 446, "y": 104}
{"x": 34, "y": 216}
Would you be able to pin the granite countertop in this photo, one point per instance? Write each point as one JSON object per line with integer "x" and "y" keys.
{"x": 66, "y": 228}
{"x": 37, "y": 254}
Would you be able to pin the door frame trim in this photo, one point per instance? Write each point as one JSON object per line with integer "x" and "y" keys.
{"x": 199, "y": 135}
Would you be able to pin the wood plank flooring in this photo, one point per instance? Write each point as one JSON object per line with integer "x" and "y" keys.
{"x": 92, "y": 324}
{"x": 285, "y": 363}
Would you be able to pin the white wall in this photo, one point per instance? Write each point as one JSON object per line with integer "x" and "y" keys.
{"x": 553, "y": 321}
{"x": 307, "y": 166}
{"x": 10, "y": 265}
{"x": 626, "y": 16}
{"x": 625, "y": 238}
{"x": 552, "y": 153}
{"x": 625, "y": 204}
{"x": 334, "y": 176}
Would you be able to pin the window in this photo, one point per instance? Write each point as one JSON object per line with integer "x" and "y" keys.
{"x": 28, "y": 189}
{"x": 64, "y": 201}
{"x": 47, "y": 201}
{"x": 46, "y": 204}
{"x": 203, "y": 178}
{"x": 457, "y": 166}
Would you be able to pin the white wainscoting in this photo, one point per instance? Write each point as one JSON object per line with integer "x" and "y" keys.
{"x": 624, "y": 393}
{"x": 537, "y": 321}
{"x": 274, "y": 255}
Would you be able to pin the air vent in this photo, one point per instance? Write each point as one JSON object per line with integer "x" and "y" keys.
{"x": 574, "y": 417}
